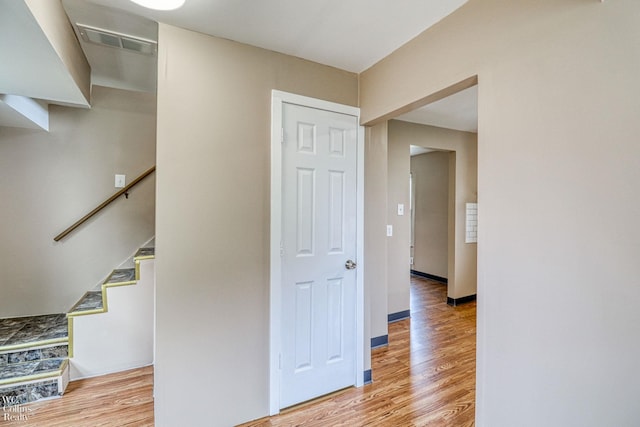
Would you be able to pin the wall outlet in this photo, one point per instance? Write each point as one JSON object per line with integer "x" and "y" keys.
{"x": 400, "y": 209}
{"x": 389, "y": 230}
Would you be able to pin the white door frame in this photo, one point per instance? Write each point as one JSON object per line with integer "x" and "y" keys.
{"x": 275, "y": 340}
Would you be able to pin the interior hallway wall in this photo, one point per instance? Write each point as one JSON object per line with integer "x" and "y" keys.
{"x": 375, "y": 237}
{"x": 213, "y": 207}
{"x": 558, "y": 168}
{"x": 463, "y": 188}
{"x": 398, "y": 245}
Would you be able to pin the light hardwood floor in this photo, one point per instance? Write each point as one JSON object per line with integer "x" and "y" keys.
{"x": 115, "y": 400}
{"x": 425, "y": 377}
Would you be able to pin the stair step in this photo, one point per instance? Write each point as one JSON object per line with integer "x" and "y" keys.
{"x": 121, "y": 276}
{"x": 32, "y": 331}
{"x": 145, "y": 253}
{"x": 91, "y": 302}
{"x": 26, "y": 371}
{"x": 32, "y": 381}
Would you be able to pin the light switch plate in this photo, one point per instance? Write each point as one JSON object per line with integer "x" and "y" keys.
{"x": 120, "y": 179}
{"x": 400, "y": 209}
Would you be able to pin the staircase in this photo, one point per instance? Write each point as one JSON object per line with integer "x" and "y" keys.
{"x": 36, "y": 352}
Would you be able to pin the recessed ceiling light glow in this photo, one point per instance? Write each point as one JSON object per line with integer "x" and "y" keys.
{"x": 160, "y": 4}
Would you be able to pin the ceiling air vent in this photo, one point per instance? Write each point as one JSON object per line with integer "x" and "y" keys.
{"x": 120, "y": 41}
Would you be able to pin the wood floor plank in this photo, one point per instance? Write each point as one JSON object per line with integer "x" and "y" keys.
{"x": 424, "y": 377}
{"x": 115, "y": 400}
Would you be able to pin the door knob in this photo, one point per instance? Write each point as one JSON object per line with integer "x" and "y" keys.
{"x": 350, "y": 265}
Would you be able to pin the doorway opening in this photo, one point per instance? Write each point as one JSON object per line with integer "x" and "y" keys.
{"x": 441, "y": 140}
{"x": 429, "y": 208}
{"x": 436, "y": 183}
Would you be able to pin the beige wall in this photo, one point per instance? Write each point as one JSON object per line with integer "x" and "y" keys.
{"x": 557, "y": 168}
{"x": 463, "y": 188}
{"x": 398, "y": 245}
{"x": 430, "y": 173}
{"x": 375, "y": 223}
{"x": 49, "y": 180}
{"x": 212, "y": 264}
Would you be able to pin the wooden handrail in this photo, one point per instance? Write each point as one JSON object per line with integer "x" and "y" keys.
{"x": 104, "y": 204}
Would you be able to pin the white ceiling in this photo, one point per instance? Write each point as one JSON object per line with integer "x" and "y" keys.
{"x": 415, "y": 150}
{"x": 347, "y": 34}
{"x": 458, "y": 111}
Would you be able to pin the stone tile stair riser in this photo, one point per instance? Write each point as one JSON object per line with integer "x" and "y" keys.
{"x": 36, "y": 389}
{"x": 29, "y": 355}
{"x": 27, "y": 393}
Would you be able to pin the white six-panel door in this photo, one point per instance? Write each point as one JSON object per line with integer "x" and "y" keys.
{"x": 318, "y": 292}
